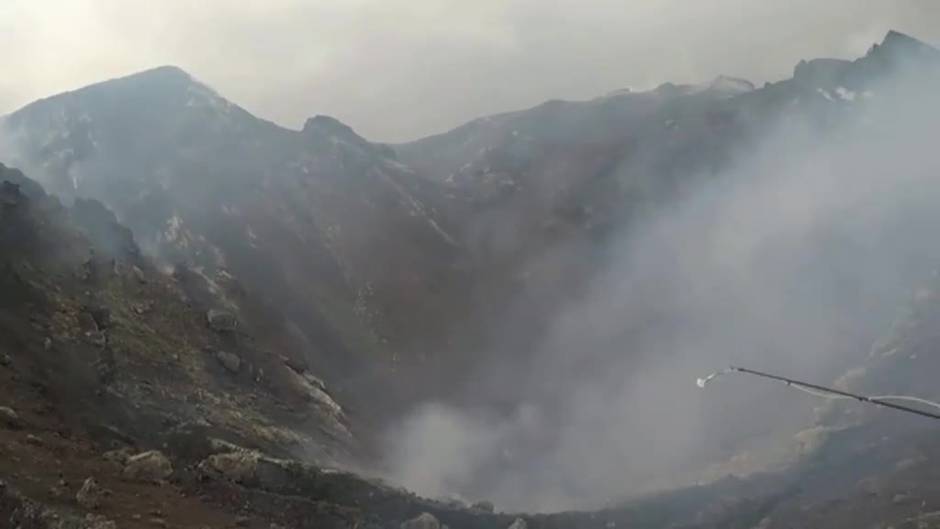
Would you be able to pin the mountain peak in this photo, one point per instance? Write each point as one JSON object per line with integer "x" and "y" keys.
{"x": 897, "y": 44}
{"x": 160, "y": 78}
{"x": 328, "y": 129}
{"x": 329, "y": 124}
{"x": 896, "y": 38}
{"x": 165, "y": 70}
{"x": 156, "y": 83}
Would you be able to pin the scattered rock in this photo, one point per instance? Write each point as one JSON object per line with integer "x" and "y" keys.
{"x": 98, "y": 522}
{"x": 89, "y": 496}
{"x": 158, "y": 522}
{"x": 242, "y": 521}
{"x": 518, "y": 523}
{"x": 221, "y": 320}
{"x": 9, "y": 418}
{"x": 148, "y": 466}
{"x": 229, "y": 361}
{"x": 142, "y": 308}
{"x": 240, "y": 467}
{"x": 121, "y": 455}
{"x": 33, "y": 440}
{"x": 98, "y": 339}
{"x": 425, "y": 521}
{"x": 485, "y": 506}
{"x": 250, "y": 468}
{"x": 139, "y": 275}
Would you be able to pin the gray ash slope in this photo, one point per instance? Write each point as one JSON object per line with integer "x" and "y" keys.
{"x": 394, "y": 271}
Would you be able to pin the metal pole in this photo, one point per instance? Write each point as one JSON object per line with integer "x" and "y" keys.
{"x": 860, "y": 398}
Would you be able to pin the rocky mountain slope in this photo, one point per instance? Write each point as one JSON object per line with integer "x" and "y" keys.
{"x": 326, "y": 230}
{"x": 594, "y": 224}
{"x": 125, "y": 406}
{"x": 261, "y": 301}
{"x": 540, "y": 198}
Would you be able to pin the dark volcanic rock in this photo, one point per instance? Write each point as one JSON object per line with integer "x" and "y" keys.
{"x": 101, "y": 314}
{"x": 9, "y": 418}
{"x": 221, "y": 320}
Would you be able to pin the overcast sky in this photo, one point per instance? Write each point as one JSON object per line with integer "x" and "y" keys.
{"x": 400, "y": 69}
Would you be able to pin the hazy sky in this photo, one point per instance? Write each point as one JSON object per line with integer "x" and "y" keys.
{"x": 399, "y": 69}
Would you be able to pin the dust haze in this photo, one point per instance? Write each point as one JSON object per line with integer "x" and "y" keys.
{"x": 398, "y": 70}
{"x": 795, "y": 260}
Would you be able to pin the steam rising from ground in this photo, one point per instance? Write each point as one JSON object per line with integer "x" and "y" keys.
{"x": 794, "y": 259}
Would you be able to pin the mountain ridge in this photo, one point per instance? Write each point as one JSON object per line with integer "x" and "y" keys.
{"x": 397, "y": 275}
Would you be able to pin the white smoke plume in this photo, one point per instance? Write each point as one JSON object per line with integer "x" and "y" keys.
{"x": 793, "y": 259}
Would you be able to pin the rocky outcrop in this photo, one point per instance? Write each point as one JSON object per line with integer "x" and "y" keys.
{"x": 229, "y": 361}
{"x": 221, "y": 320}
{"x": 238, "y": 467}
{"x": 254, "y": 469}
{"x": 9, "y": 418}
{"x": 148, "y": 466}
{"x": 20, "y": 512}
{"x": 120, "y": 455}
{"x": 89, "y": 496}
